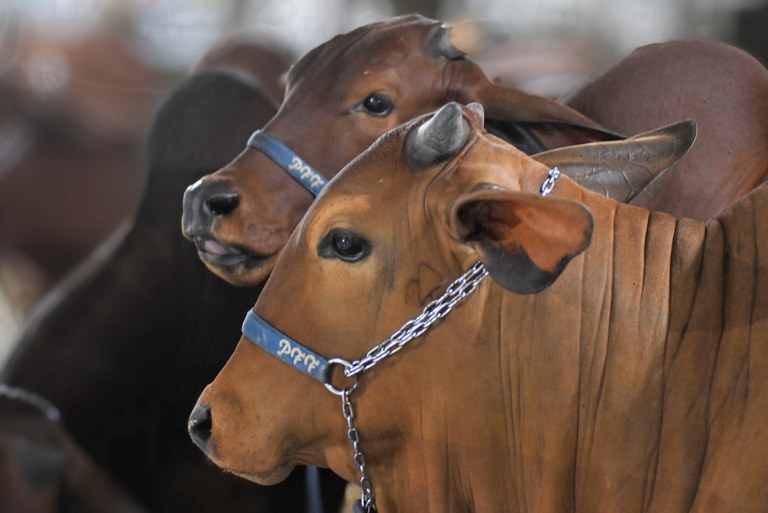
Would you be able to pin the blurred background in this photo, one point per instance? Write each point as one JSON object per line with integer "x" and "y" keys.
{"x": 80, "y": 79}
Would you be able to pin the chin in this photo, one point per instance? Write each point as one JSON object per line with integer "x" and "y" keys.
{"x": 268, "y": 478}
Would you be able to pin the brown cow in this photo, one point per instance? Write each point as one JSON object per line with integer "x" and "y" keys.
{"x": 348, "y": 91}
{"x": 240, "y": 218}
{"x": 635, "y": 382}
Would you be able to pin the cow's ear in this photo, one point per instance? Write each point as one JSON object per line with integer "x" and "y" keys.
{"x": 511, "y": 109}
{"x": 523, "y": 239}
{"x": 623, "y": 169}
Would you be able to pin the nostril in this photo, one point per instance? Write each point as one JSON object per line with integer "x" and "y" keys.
{"x": 222, "y": 204}
{"x": 200, "y": 425}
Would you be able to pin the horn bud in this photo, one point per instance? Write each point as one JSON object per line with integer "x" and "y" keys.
{"x": 478, "y": 109}
{"x": 438, "y": 139}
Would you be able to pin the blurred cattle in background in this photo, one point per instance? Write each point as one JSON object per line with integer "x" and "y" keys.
{"x": 264, "y": 60}
{"x": 124, "y": 346}
{"x": 72, "y": 115}
{"x": 42, "y": 470}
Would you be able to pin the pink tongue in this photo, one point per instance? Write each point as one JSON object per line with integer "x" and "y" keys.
{"x": 213, "y": 247}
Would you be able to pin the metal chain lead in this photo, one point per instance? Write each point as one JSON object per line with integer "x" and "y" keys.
{"x": 549, "y": 182}
{"x": 367, "y": 503}
{"x": 435, "y": 310}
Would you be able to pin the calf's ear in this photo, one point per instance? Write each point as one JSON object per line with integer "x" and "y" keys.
{"x": 623, "y": 169}
{"x": 524, "y": 240}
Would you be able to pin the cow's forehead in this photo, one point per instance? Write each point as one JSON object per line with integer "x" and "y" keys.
{"x": 377, "y": 42}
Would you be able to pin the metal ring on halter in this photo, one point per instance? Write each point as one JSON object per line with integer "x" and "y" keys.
{"x": 340, "y": 391}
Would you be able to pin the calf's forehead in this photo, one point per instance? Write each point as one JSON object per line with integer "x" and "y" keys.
{"x": 371, "y": 185}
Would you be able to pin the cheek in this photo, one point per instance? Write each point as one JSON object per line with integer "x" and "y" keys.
{"x": 349, "y": 316}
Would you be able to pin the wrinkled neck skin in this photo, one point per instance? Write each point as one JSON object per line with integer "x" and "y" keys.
{"x": 592, "y": 396}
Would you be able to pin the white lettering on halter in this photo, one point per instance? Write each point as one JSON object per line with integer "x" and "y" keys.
{"x": 306, "y": 173}
{"x": 307, "y": 360}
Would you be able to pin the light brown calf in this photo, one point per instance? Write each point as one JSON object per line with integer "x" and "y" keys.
{"x": 632, "y": 379}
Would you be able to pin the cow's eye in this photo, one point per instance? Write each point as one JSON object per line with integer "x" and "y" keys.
{"x": 344, "y": 245}
{"x": 377, "y": 104}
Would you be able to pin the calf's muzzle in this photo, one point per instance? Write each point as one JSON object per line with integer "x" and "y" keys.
{"x": 200, "y": 425}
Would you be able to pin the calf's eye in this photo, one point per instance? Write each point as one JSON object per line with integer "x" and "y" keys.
{"x": 344, "y": 245}
{"x": 377, "y": 104}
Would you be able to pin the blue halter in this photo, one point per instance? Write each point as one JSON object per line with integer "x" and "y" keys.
{"x": 287, "y": 159}
{"x": 266, "y": 336}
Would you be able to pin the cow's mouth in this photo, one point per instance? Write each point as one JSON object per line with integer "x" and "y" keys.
{"x": 228, "y": 258}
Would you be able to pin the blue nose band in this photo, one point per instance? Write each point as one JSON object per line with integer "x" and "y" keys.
{"x": 264, "y": 335}
{"x": 288, "y": 160}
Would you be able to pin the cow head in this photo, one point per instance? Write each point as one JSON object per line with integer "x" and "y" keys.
{"x": 401, "y": 222}
{"x": 340, "y": 97}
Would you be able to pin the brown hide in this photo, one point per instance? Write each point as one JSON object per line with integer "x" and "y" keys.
{"x": 635, "y": 383}
{"x": 722, "y": 87}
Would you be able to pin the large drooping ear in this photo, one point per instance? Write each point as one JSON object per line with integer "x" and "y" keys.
{"x": 623, "y": 169}
{"x": 524, "y": 240}
{"x": 523, "y": 119}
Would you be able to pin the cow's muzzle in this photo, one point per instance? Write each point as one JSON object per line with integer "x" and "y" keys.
{"x": 200, "y": 425}
{"x": 204, "y": 203}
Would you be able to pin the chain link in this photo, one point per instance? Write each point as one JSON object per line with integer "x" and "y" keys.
{"x": 367, "y": 502}
{"x": 549, "y": 182}
{"x": 457, "y": 291}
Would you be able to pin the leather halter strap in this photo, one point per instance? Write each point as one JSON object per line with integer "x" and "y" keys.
{"x": 288, "y": 160}
{"x": 266, "y": 336}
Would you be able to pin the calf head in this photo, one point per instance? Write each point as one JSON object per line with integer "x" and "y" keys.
{"x": 402, "y": 220}
{"x": 340, "y": 97}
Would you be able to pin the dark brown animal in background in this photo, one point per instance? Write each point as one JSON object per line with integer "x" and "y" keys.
{"x": 41, "y": 468}
{"x": 63, "y": 188}
{"x": 613, "y": 360}
{"x": 124, "y": 348}
{"x": 264, "y": 60}
{"x": 348, "y": 91}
